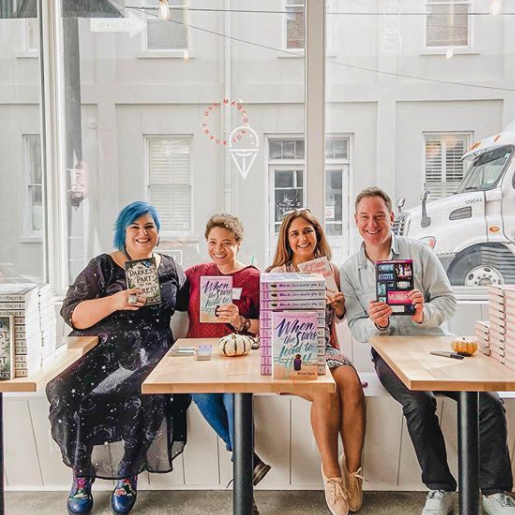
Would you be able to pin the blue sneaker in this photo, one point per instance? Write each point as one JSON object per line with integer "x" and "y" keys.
{"x": 80, "y": 500}
{"x": 124, "y": 495}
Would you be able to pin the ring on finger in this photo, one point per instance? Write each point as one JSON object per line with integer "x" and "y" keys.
{"x": 133, "y": 299}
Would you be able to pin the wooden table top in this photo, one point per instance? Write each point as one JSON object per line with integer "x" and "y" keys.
{"x": 72, "y": 349}
{"x": 410, "y": 358}
{"x": 222, "y": 374}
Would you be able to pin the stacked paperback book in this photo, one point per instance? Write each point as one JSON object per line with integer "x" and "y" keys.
{"x": 29, "y": 311}
{"x": 501, "y": 315}
{"x": 482, "y": 331}
{"x": 292, "y": 325}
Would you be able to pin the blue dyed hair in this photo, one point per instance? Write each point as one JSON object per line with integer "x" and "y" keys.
{"x": 128, "y": 215}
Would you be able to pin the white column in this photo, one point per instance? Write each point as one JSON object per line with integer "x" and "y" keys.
{"x": 315, "y": 106}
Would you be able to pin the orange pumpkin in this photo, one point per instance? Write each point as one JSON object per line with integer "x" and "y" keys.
{"x": 464, "y": 347}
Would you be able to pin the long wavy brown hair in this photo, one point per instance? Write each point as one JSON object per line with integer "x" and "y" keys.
{"x": 284, "y": 253}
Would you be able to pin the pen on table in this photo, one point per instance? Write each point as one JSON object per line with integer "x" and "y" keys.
{"x": 446, "y": 354}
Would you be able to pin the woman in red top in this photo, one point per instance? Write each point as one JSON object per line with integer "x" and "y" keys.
{"x": 224, "y": 234}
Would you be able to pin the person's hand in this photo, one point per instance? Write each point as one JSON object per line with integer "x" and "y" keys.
{"x": 123, "y": 300}
{"x": 379, "y": 313}
{"x": 417, "y": 299}
{"x": 229, "y": 314}
{"x": 337, "y": 302}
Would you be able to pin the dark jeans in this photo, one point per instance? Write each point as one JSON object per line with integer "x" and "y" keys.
{"x": 419, "y": 408}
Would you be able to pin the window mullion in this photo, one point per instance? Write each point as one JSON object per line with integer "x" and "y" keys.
{"x": 315, "y": 106}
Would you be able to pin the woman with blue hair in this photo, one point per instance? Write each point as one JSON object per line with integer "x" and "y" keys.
{"x": 102, "y": 423}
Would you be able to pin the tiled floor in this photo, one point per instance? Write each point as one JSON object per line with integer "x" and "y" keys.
{"x": 216, "y": 503}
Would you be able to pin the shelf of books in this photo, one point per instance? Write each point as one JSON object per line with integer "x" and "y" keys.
{"x": 28, "y": 338}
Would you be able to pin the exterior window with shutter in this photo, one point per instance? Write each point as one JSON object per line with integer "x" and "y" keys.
{"x": 295, "y": 24}
{"x": 171, "y": 34}
{"x": 34, "y": 192}
{"x": 170, "y": 188}
{"x": 447, "y": 23}
{"x": 444, "y": 168}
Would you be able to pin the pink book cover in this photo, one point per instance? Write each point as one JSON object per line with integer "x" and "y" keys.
{"x": 321, "y": 266}
{"x": 276, "y": 305}
{"x": 295, "y": 346}
{"x": 215, "y": 291}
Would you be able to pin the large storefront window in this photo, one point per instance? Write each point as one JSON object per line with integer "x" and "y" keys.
{"x": 22, "y": 197}
{"x": 420, "y": 85}
{"x": 178, "y": 112}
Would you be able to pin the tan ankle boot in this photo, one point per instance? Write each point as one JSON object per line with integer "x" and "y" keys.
{"x": 335, "y": 495}
{"x": 353, "y": 482}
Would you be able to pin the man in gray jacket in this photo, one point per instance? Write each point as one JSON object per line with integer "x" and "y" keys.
{"x": 434, "y": 304}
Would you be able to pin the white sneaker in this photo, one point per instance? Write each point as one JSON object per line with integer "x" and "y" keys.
{"x": 498, "y": 504}
{"x": 438, "y": 502}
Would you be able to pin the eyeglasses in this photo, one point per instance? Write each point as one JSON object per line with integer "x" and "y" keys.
{"x": 296, "y": 211}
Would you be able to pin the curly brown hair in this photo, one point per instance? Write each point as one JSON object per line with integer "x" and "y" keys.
{"x": 284, "y": 253}
{"x": 229, "y": 222}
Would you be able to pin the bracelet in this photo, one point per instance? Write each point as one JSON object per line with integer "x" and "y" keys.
{"x": 244, "y": 325}
{"x": 382, "y": 328}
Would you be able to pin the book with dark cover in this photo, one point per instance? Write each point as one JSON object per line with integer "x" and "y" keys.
{"x": 394, "y": 281}
{"x": 215, "y": 291}
{"x": 6, "y": 347}
{"x": 142, "y": 273}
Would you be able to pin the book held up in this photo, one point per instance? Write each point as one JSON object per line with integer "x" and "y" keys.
{"x": 142, "y": 274}
{"x": 321, "y": 266}
{"x": 215, "y": 292}
{"x": 394, "y": 282}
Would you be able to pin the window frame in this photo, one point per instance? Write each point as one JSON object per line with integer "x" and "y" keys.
{"x": 30, "y": 235}
{"x": 284, "y": 44}
{"x": 468, "y": 137}
{"x": 166, "y": 234}
{"x": 440, "y": 49}
{"x": 180, "y": 53}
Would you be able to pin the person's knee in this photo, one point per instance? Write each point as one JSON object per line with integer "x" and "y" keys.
{"x": 491, "y": 406}
{"x": 418, "y": 404}
{"x": 349, "y": 386}
{"x": 202, "y": 399}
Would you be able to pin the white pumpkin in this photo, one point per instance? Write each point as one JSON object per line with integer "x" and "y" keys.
{"x": 234, "y": 345}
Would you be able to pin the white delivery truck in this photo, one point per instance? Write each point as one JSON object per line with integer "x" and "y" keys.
{"x": 472, "y": 231}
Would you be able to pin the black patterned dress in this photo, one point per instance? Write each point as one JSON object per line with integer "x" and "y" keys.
{"x": 103, "y": 424}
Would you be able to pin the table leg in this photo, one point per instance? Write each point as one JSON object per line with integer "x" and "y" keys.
{"x": 468, "y": 452}
{"x": 243, "y": 454}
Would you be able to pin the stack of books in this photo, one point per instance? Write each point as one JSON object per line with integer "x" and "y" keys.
{"x": 501, "y": 321}
{"x": 497, "y": 322}
{"x": 31, "y": 306}
{"x": 48, "y": 321}
{"x": 482, "y": 331}
{"x": 292, "y": 312}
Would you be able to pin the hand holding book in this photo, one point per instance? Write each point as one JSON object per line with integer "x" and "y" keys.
{"x": 417, "y": 299}
{"x": 337, "y": 302}
{"x": 130, "y": 300}
{"x": 379, "y": 313}
{"x": 228, "y": 314}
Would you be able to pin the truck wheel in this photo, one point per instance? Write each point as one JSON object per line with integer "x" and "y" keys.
{"x": 468, "y": 270}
